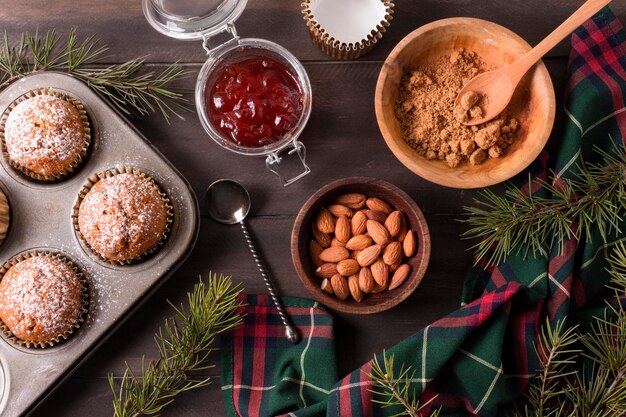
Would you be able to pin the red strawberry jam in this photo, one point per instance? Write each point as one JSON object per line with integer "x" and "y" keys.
{"x": 255, "y": 102}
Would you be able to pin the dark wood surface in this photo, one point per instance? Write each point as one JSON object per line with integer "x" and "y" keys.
{"x": 342, "y": 139}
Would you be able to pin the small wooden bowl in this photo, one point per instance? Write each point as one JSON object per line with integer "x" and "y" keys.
{"x": 533, "y": 101}
{"x": 371, "y": 187}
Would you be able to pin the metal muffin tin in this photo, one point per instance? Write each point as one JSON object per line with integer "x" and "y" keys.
{"x": 41, "y": 218}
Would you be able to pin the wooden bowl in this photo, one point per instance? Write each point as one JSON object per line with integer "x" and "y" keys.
{"x": 533, "y": 102}
{"x": 371, "y": 187}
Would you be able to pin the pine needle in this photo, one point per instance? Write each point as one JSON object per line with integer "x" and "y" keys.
{"x": 397, "y": 391}
{"x": 583, "y": 375}
{"x": 185, "y": 343}
{"x": 127, "y": 86}
{"x": 523, "y": 223}
{"x": 617, "y": 268}
{"x": 556, "y": 355}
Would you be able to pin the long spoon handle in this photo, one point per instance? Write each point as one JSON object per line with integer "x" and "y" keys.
{"x": 587, "y": 10}
{"x": 290, "y": 331}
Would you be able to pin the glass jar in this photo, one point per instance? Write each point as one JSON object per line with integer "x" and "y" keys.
{"x": 208, "y": 20}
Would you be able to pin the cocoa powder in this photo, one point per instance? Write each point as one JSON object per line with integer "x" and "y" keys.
{"x": 433, "y": 127}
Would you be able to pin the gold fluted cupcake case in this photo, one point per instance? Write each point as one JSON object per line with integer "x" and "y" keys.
{"x": 84, "y": 299}
{"x": 80, "y": 158}
{"x": 92, "y": 180}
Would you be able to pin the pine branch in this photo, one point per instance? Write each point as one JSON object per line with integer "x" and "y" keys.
{"x": 603, "y": 392}
{"x": 606, "y": 346}
{"x": 396, "y": 390}
{"x": 523, "y": 223}
{"x": 590, "y": 382}
{"x": 126, "y": 85}
{"x": 184, "y": 344}
{"x": 617, "y": 268}
{"x": 139, "y": 93}
{"x": 585, "y": 393}
{"x": 555, "y": 355}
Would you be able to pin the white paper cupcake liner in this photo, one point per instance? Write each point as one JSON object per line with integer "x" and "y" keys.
{"x": 342, "y": 48}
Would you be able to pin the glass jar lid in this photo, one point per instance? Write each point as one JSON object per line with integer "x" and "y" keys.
{"x": 192, "y": 19}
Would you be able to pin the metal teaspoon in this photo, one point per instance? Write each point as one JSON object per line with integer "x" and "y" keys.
{"x": 228, "y": 202}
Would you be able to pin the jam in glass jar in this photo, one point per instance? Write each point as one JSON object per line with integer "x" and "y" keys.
{"x": 252, "y": 95}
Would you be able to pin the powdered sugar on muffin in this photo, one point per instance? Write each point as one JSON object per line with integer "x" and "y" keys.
{"x": 123, "y": 217}
{"x": 45, "y": 134}
{"x": 40, "y": 299}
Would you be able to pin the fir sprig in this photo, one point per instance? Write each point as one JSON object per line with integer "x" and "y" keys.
{"x": 617, "y": 268}
{"x": 184, "y": 343}
{"x": 521, "y": 223}
{"x": 590, "y": 382}
{"x": 397, "y": 390}
{"x": 126, "y": 85}
{"x": 579, "y": 375}
{"x": 556, "y": 355}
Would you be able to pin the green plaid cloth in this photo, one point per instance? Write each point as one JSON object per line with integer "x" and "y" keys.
{"x": 481, "y": 356}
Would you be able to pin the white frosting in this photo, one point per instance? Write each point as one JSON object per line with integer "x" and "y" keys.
{"x": 348, "y": 21}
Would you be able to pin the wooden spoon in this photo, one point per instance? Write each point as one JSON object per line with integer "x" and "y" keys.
{"x": 497, "y": 87}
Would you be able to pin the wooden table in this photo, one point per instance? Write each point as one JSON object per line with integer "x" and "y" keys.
{"x": 342, "y": 139}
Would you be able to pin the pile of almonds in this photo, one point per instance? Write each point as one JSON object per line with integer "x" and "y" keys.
{"x": 360, "y": 245}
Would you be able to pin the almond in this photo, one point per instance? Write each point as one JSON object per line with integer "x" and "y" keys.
{"x": 409, "y": 244}
{"x": 315, "y": 249}
{"x": 354, "y": 254}
{"x": 378, "y": 232}
{"x": 369, "y": 255}
{"x": 359, "y": 223}
{"x": 340, "y": 286}
{"x": 380, "y": 272}
{"x": 342, "y": 229}
{"x": 354, "y": 201}
{"x": 327, "y": 287}
{"x": 394, "y": 223}
{"x": 336, "y": 242}
{"x": 355, "y": 290}
{"x": 403, "y": 229}
{"x": 334, "y": 254}
{"x": 339, "y": 210}
{"x": 325, "y": 221}
{"x": 348, "y": 267}
{"x": 322, "y": 238}
{"x": 392, "y": 253}
{"x": 359, "y": 242}
{"x": 394, "y": 267}
{"x": 378, "y": 205}
{"x": 378, "y": 288}
{"x": 366, "y": 280}
{"x": 400, "y": 276}
{"x": 326, "y": 270}
{"x": 379, "y": 216}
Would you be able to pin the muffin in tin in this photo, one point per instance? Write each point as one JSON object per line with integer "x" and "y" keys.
{"x": 41, "y": 299}
{"x": 123, "y": 216}
{"x": 5, "y": 216}
{"x": 46, "y": 135}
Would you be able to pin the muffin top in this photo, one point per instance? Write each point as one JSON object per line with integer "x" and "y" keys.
{"x": 44, "y": 134}
{"x": 40, "y": 299}
{"x": 123, "y": 217}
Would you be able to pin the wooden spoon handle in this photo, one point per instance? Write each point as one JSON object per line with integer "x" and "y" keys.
{"x": 587, "y": 10}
